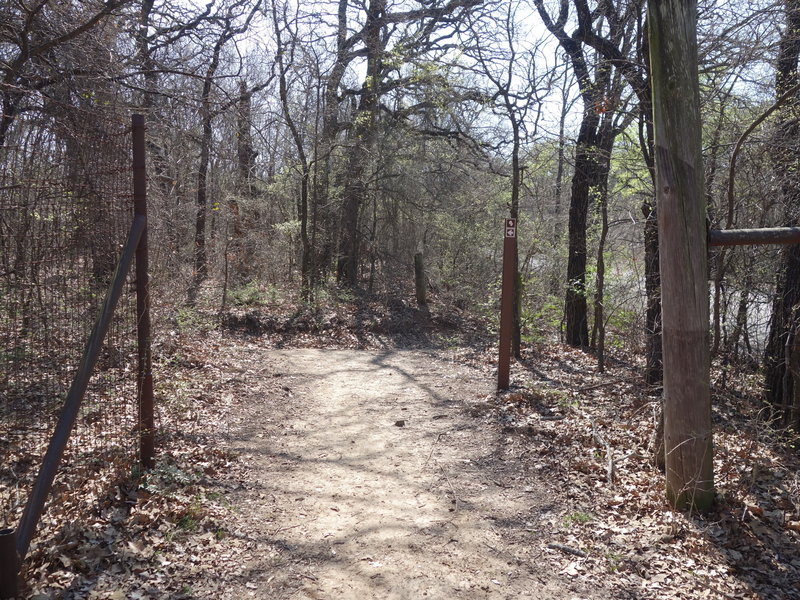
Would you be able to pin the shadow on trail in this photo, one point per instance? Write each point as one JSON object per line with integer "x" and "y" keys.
{"x": 363, "y": 505}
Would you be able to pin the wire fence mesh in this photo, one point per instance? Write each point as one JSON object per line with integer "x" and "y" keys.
{"x": 65, "y": 209}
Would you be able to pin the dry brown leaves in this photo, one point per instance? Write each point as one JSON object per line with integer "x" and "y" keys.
{"x": 592, "y": 437}
{"x": 588, "y": 436}
{"x": 117, "y": 533}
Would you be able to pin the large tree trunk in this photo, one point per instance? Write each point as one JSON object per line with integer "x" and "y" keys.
{"x": 586, "y": 159}
{"x": 325, "y": 236}
{"x": 785, "y": 155}
{"x": 355, "y": 192}
{"x": 684, "y": 259}
{"x": 302, "y": 205}
{"x": 589, "y": 182}
{"x": 355, "y": 187}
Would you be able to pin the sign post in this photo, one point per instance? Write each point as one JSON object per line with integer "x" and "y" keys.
{"x": 507, "y": 302}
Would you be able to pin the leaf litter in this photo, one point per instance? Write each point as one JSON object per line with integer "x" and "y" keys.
{"x": 587, "y": 438}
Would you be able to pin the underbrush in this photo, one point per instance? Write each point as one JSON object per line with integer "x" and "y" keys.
{"x": 592, "y": 437}
{"x": 120, "y": 532}
{"x": 344, "y": 318}
{"x": 588, "y": 437}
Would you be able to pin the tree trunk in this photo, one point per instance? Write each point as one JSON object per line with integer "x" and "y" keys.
{"x": 575, "y": 305}
{"x": 238, "y": 254}
{"x": 355, "y": 192}
{"x": 785, "y": 155}
{"x": 327, "y": 236}
{"x": 200, "y": 257}
{"x": 355, "y": 188}
{"x": 420, "y": 283}
{"x": 245, "y": 153}
{"x": 599, "y": 327}
{"x": 684, "y": 260}
{"x": 206, "y": 138}
{"x": 302, "y": 206}
{"x": 787, "y": 296}
{"x": 589, "y": 185}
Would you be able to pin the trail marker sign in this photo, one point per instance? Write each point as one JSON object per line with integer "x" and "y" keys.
{"x": 511, "y": 228}
{"x": 507, "y": 303}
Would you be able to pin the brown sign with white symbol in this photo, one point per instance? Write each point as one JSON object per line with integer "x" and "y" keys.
{"x": 507, "y": 302}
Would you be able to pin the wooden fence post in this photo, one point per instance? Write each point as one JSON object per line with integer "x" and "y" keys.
{"x": 683, "y": 253}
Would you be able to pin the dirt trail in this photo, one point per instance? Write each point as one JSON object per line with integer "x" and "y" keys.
{"x": 373, "y": 481}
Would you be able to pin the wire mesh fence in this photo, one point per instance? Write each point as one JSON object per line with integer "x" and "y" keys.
{"x": 65, "y": 210}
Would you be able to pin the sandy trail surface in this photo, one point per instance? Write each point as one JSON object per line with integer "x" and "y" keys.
{"x": 374, "y": 478}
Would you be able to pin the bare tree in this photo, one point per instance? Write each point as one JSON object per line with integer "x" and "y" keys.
{"x": 284, "y": 60}
{"x": 415, "y": 33}
{"x": 782, "y": 348}
{"x": 35, "y": 37}
{"x": 632, "y": 60}
{"x": 231, "y": 24}
{"x": 516, "y": 94}
{"x": 601, "y": 101}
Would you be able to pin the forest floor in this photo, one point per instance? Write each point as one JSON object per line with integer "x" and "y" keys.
{"x": 330, "y": 457}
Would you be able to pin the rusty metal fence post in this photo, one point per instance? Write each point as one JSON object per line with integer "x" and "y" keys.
{"x": 9, "y": 564}
{"x": 14, "y": 543}
{"x": 66, "y": 421}
{"x": 143, "y": 331}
